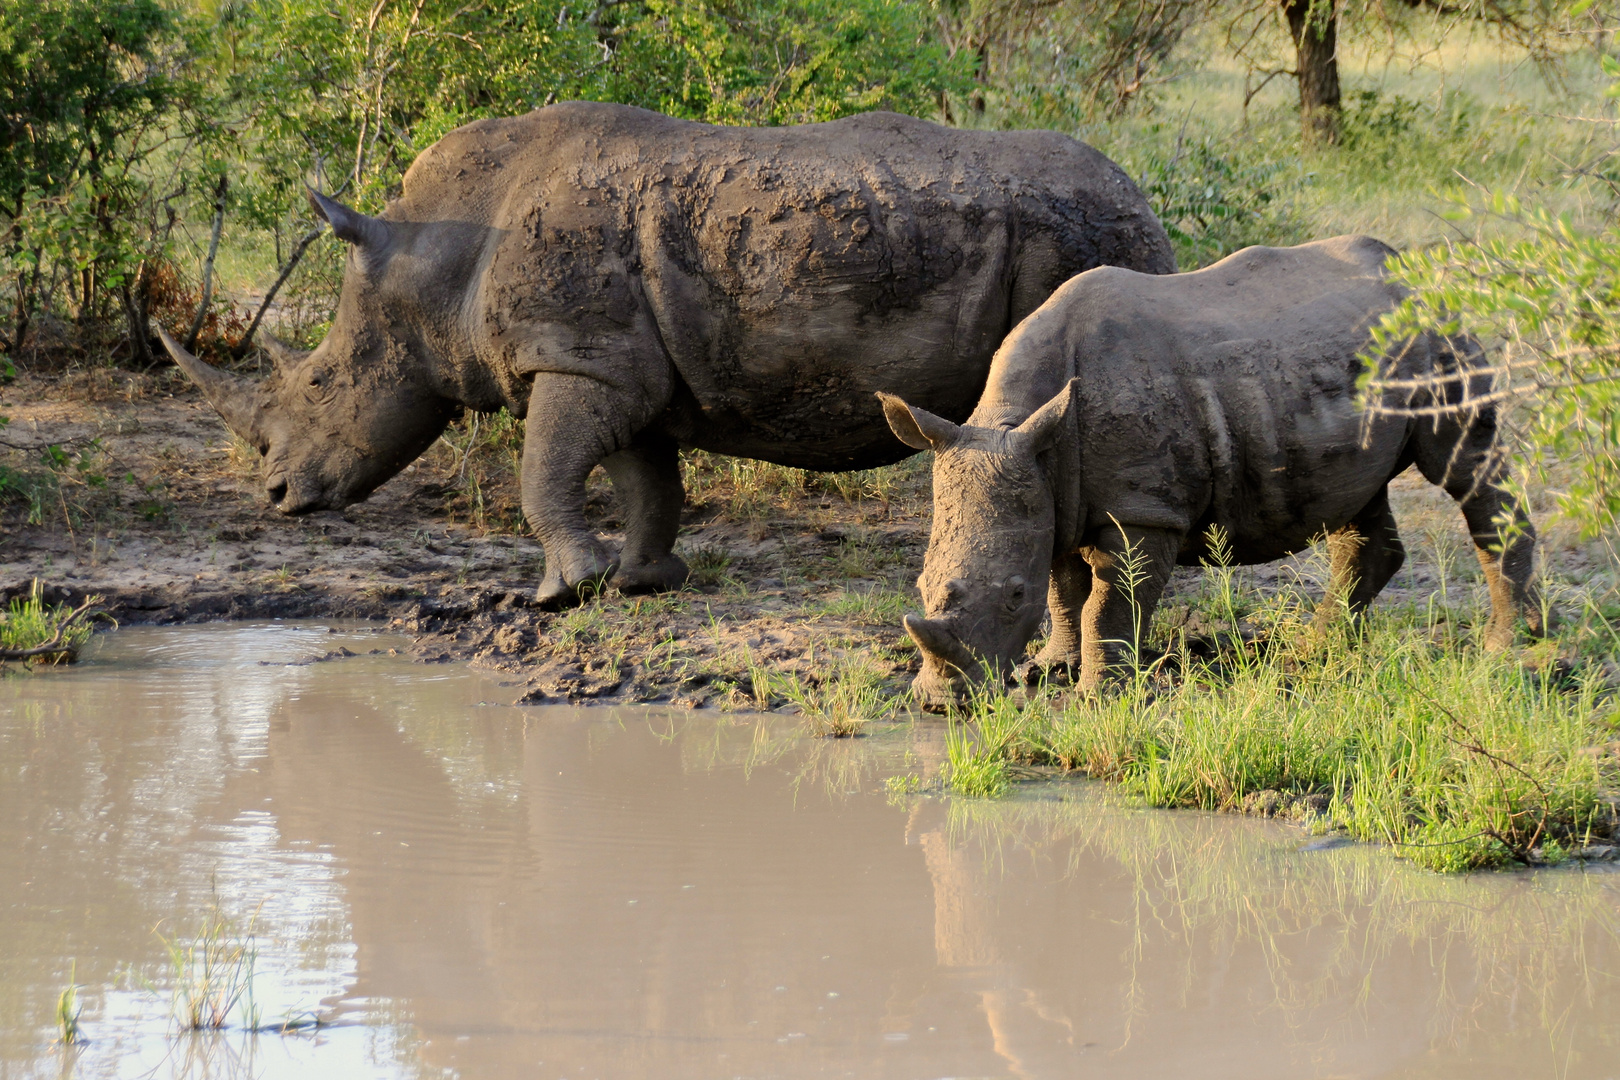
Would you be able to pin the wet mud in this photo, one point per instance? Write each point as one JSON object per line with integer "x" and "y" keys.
{"x": 156, "y": 509}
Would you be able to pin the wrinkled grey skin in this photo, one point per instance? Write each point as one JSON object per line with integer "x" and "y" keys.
{"x": 1133, "y": 413}
{"x": 631, "y": 284}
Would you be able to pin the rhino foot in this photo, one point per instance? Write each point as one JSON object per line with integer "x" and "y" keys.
{"x": 564, "y": 589}
{"x": 1500, "y": 635}
{"x": 1054, "y": 667}
{"x": 660, "y": 575}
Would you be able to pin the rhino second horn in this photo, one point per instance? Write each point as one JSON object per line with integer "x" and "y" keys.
{"x": 284, "y": 356}
{"x": 230, "y": 395}
{"x": 935, "y": 639}
{"x": 350, "y": 226}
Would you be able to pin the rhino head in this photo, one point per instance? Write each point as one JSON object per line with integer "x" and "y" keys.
{"x": 989, "y": 555}
{"x": 334, "y": 423}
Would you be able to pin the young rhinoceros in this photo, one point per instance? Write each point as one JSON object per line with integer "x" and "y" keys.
{"x": 1135, "y": 412}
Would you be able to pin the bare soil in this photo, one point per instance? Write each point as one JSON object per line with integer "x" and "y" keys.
{"x": 152, "y": 505}
{"x": 148, "y": 502}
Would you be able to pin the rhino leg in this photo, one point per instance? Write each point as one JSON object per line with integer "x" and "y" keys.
{"x": 1508, "y": 566}
{"x": 1065, "y": 600}
{"x": 1362, "y": 557}
{"x": 569, "y": 430}
{"x": 1461, "y": 460}
{"x": 1129, "y": 569}
{"x": 647, "y": 478}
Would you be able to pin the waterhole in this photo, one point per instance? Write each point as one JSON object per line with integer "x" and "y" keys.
{"x": 418, "y": 880}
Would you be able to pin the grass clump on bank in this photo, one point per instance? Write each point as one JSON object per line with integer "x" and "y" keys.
{"x": 1399, "y": 731}
{"x": 1458, "y": 759}
{"x": 851, "y": 693}
{"x": 31, "y": 629}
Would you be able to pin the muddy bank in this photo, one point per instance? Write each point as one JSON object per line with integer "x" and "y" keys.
{"x": 127, "y": 486}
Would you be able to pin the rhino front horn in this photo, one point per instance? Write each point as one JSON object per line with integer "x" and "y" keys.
{"x": 230, "y": 395}
{"x": 935, "y": 639}
{"x": 350, "y": 226}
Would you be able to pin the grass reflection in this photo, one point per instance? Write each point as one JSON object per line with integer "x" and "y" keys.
{"x": 1327, "y": 922}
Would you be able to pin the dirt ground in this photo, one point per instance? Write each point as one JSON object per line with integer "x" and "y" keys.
{"x": 127, "y": 486}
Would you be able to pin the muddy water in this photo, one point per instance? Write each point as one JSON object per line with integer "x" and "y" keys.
{"x": 459, "y": 888}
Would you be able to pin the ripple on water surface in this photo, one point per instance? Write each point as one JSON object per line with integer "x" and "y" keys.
{"x": 459, "y": 888}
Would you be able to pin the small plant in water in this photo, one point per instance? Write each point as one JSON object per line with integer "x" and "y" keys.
{"x": 68, "y": 1007}
{"x": 212, "y": 974}
{"x": 973, "y": 768}
{"x": 901, "y": 786}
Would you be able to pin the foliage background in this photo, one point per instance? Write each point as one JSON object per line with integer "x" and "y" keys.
{"x": 154, "y": 151}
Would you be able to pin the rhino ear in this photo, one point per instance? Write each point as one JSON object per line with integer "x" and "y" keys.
{"x": 918, "y": 428}
{"x": 1045, "y": 425}
{"x": 350, "y": 226}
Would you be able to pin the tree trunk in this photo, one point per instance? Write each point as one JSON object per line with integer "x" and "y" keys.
{"x": 208, "y": 265}
{"x": 1314, "y": 26}
{"x": 135, "y": 317}
{"x": 240, "y": 349}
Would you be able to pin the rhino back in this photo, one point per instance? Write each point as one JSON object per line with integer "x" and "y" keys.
{"x": 1224, "y": 396}
{"x": 790, "y": 272}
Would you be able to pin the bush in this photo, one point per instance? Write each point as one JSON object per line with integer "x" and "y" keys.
{"x": 1543, "y": 293}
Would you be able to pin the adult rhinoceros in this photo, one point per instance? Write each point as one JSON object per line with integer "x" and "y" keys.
{"x": 631, "y": 284}
{"x": 1132, "y": 413}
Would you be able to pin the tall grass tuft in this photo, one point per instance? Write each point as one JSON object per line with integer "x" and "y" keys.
{"x": 211, "y": 975}
{"x": 979, "y": 748}
{"x": 838, "y": 705}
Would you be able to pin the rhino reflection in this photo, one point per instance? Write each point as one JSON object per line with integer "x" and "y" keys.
{"x": 1032, "y": 1038}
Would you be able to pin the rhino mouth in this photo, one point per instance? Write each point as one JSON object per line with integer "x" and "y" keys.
{"x": 950, "y": 667}
{"x": 287, "y": 498}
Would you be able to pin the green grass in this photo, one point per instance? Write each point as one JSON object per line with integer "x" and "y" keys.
{"x": 709, "y": 565}
{"x": 757, "y": 491}
{"x": 57, "y": 630}
{"x": 68, "y": 1008}
{"x": 1222, "y": 176}
{"x": 874, "y": 606}
{"x": 978, "y": 749}
{"x": 211, "y": 975}
{"x": 1398, "y": 730}
{"x": 838, "y": 702}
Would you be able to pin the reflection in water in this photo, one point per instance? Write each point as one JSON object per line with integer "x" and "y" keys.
{"x": 480, "y": 890}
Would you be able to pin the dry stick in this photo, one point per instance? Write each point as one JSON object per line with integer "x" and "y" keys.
{"x": 208, "y": 265}
{"x": 241, "y": 348}
{"x": 55, "y": 645}
{"x": 1520, "y": 852}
